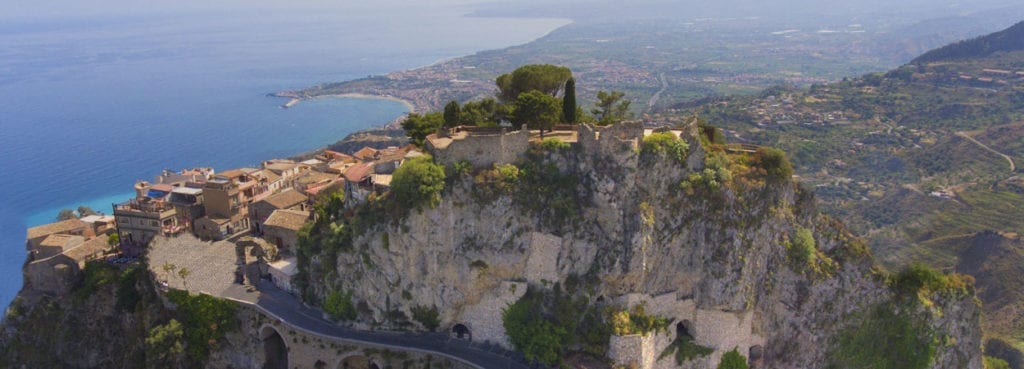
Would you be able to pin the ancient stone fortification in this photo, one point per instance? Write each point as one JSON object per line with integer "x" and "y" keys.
{"x": 480, "y": 147}
{"x": 715, "y": 259}
{"x": 484, "y": 147}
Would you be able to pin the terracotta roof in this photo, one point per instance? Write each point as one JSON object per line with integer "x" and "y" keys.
{"x": 280, "y": 167}
{"x": 234, "y": 173}
{"x": 286, "y": 199}
{"x": 88, "y": 250}
{"x": 269, "y": 175}
{"x": 64, "y": 241}
{"x": 287, "y": 219}
{"x": 313, "y": 176}
{"x": 162, "y": 187}
{"x": 58, "y": 227}
{"x": 366, "y": 153}
{"x": 358, "y": 172}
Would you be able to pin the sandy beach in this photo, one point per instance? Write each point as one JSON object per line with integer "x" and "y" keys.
{"x": 407, "y": 103}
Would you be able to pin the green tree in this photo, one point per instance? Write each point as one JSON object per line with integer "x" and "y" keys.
{"x": 486, "y": 112}
{"x": 545, "y": 78}
{"x": 733, "y": 360}
{"x": 418, "y": 183}
{"x": 66, "y": 214}
{"x": 114, "y": 239}
{"x": 339, "y": 306}
{"x": 611, "y": 107}
{"x": 164, "y": 345}
{"x": 774, "y": 162}
{"x": 417, "y": 126}
{"x": 569, "y": 102}
{"x": 84, "y": 211}
{"x": 452, "y": 114}
{"x": 537, "y": 110}
{"x": 428, "y": 317}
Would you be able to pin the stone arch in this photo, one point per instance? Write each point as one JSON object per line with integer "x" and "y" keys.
{"x": 357, "y": 362}
{"x": 461, "y": 331}
{"x": 275, "y": 348}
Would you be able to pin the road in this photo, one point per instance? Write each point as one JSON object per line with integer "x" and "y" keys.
{"x": 1013, "y": 166}
{"x": 291, "y": 311}
{"x": 212, "y": 266}
{"x": 657, "y": 95}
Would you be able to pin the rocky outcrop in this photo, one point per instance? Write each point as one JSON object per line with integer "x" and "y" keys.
{"x": 717, "y": 254}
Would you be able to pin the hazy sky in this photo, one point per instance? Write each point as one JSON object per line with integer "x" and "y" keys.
{"x": 36, "y": 11}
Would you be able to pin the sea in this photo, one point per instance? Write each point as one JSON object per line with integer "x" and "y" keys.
{"x": 92, "y": 101}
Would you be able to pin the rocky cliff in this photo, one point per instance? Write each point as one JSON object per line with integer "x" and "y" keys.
{"x": 717, "y": 240}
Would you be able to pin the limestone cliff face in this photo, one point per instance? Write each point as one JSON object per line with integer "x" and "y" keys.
{"x": 716, "y": 258}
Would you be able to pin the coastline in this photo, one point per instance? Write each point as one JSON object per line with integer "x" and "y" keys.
{"x": 295, "y": 100}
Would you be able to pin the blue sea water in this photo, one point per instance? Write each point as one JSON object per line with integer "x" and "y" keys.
{"x": 91, "y": 103}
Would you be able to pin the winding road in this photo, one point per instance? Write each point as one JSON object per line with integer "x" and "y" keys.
{"x": 1013, "y": 166}
{"x": 289, "y": 310}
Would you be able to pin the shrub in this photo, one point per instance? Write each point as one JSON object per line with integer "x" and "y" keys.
{"x": 164, "y": 344}
{"x": 97, "y": 274}
{"x": 919, "y": 278}
{"x": 775, "y": 164}
{"x": 665, "y": 143}
{"x": 428, "y": 317}
{"x": 339, "y": 306}
{"x": 459, "y": 169}
{"x": 554, "y": 144}
{"x": 995, "y": 363}
{"x": 545, "y": 325}
{"x": 205, "y": 320}
{"x": 637, "y": 321}
{"x": 802, "y": 247}
{"x": 418, "y": 183}
{"x": 886, "y": 337}
{"x": 733, "y": 360}
{"x": 715, "y": 174}
{"x": 537, "y": 339}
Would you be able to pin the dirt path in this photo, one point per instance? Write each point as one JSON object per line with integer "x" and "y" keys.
{"x": 1013, "y": 166}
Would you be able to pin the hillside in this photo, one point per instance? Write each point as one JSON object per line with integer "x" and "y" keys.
{"x": 919, "y": 160}
{"x": 1008, "y": 40}
{"x": 587, "y": 248}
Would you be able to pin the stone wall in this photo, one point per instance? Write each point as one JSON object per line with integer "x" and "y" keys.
{"x": 53, "y": 276}
{"x": 245, "y": 348}
{"x": 719, "y": 330}
{"x": 484, "y": 318}
{"x": 483, "y": 149}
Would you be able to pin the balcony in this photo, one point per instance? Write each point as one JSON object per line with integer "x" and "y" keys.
{"x": 144, "y": 208}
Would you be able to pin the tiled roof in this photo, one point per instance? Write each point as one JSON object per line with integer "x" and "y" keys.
{"x": 64, "y": 241}
{"x": 358, "y": 172}
{"x": 366, "y": 153}
{"x": 88, "y": 249}
{"x": 286, "y": 199}
{"x": 287, "y": 219}
{"x": 58, "y": 227}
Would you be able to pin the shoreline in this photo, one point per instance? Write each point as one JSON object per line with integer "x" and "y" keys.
{"x": 295, "y": 100}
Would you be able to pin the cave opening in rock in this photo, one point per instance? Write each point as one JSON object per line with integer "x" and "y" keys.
{"x": 461, "y": 331}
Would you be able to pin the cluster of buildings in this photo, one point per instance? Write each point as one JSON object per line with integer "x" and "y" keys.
{"x": 272, "y": 201}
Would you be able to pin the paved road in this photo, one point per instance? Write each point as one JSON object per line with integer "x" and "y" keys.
{"x": 289, "y": 310}
{"x": 212, "y": 266}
